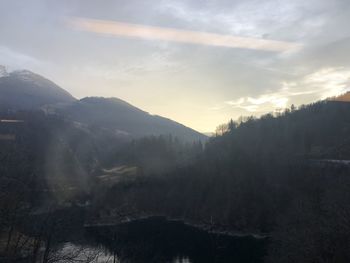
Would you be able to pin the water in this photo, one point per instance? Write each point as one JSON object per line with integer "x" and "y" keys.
{"x": 158, "y": 240}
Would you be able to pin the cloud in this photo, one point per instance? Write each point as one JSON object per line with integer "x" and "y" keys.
{"x": 126, "y": 71}
{"x": 250, "y": 17}
{"x": 330, "y": 81}
{"x": 322, "y": 84}
{"x": 176, "y": 35}
{"x": 262, "y": 103}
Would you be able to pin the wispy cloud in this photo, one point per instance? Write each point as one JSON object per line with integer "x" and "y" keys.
{"x": 115, "y": 28}
{"x": 265, "y": 102}
{"x": 329, "y": 81}
{"x": 322, "y": 84}
{"x": 131, "y": 70}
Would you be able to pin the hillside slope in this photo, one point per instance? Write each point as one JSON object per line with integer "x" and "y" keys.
{"x": 246, "y": 179}
{"x": 319, "y": 130}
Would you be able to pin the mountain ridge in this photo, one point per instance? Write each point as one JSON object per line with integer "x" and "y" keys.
{"x": 116, "y": 114}
{"x": 25, "y": 90}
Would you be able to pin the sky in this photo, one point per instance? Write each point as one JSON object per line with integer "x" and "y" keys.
{"x": 198, "y": 62}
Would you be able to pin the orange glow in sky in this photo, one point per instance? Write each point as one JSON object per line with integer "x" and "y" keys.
{"x": 176, "y": 35}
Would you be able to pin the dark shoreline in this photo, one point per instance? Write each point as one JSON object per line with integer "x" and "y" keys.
{"x": 210, "y": 229}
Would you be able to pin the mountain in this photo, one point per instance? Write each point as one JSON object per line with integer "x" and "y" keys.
{"x": 125, "y": 119}
{"x": 23, "y": 90}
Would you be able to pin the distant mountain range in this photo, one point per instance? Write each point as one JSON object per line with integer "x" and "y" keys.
{"x": 25, "y": 90}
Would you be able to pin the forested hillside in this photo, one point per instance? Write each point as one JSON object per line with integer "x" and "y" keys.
{"x": 285, "y": 175}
